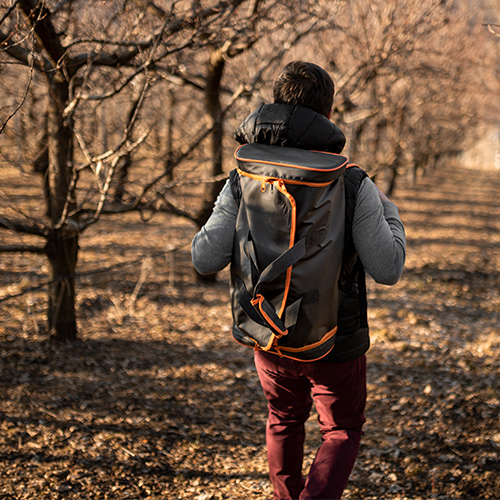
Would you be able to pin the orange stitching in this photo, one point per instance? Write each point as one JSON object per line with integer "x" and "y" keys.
{"x": 280, "y": 185}
{"x": 259, "y": 300}
{"x": 256, "y": 300}
{"x": 269, "y": 345}
{"x": 263, "y": 179}
{"x": 291, "y": 164}
{"x": 325, "y": 338}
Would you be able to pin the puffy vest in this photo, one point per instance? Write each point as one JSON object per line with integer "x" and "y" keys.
{"x": 289, "y": 250}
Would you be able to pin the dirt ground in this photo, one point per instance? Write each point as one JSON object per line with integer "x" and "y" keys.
{"x": 156, "y": 401}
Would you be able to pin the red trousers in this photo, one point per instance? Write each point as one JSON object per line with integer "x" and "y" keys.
{"x": 339, "y": 394}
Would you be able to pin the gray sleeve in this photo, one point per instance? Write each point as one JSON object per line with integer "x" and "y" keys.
{"x": 379, "y": 235}
{"x": 212, "y": 246}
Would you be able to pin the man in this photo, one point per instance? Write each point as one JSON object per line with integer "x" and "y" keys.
{"x": 374, "y": 242}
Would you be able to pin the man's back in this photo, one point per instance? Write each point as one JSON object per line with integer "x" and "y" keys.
{"x": 374, "y": 242}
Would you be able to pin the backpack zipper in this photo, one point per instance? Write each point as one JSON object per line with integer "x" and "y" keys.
{"x": 280, "y": 186}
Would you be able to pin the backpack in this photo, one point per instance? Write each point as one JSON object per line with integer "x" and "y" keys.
{"x": 288, "y": 249}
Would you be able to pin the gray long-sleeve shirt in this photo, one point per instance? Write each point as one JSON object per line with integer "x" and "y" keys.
{"x": 377, "y": 231}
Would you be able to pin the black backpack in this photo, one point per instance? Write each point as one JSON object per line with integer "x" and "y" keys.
{"x": 288, "y": 249}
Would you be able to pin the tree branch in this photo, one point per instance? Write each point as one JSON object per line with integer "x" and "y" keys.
{"x": 22, "y": 249}
{"x": 114, "y": 60}
{"x": 39, "y": 17}
{"x": 491, "y": 30}
{"x": 169, "y": 207}
{"x": 21, "y": 102}
{"x": 24, "y": 56}
{"x": 124, "y": 57}
{"x": 8, "y": 11}
{"x": 21, "y": 227}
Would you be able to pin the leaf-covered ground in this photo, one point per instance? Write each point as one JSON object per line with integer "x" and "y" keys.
{"x": 156, "y": 401}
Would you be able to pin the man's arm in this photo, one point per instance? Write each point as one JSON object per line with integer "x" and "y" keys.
{"x": 212, "y": 246}
{"x": 378, "y": 234}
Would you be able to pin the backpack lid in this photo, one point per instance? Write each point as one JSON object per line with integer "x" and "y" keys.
{"x": 290, "y": 163}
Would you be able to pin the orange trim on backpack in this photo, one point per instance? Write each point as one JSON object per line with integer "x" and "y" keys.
{"x": 256, "y": 346}
{"x": 258, "y": 300}
{"x": 278, "y": 350}
{"x": 325, "y": 337}
{"x": 291, "y": 164}
{"x": 280, "y": 185}
{"x": 263, "y": 179}
{"x": 273, "y": 344}
{"x": 269, "y": 345}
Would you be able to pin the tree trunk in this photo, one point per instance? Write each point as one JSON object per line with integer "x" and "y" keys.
{"x": 62, "y": 241}
{"x": 122, "y": 173}
{"x": 62, "y": 252}
{"x": 215, "y": 120}
{"x": 41, "y": 161}
{"x": 169, "y": 153}
{"x": 62, "y": 238}
{"x": 394, "y": 170}
{"x": 122, "y": 178}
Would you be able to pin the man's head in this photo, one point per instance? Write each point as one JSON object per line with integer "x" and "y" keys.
{"x": 305, "y": 84}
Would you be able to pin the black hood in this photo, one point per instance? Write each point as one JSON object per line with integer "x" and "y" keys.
{"x": 290, "y": 126}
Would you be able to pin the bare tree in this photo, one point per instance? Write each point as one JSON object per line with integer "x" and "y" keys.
{"x": 60, "y": 41}
{"x": 409, "y": 82}
{"x": 82, "y": 60}
{"x": 267, "y": 28}
{"x": 412, "y": 77}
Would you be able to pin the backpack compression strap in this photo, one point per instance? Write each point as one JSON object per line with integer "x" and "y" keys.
{"x": 257, "y": 307}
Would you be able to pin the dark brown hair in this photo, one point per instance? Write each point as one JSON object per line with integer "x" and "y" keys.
{"x": 305, "y": 84}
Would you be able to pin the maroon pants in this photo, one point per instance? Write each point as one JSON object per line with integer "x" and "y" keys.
{"x": 339, "y": 394}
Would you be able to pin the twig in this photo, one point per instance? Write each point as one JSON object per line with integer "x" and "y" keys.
{"x": 146, "y": 267}
{"x": 8, "y": 11}
{"x": 18, "y": 107}
{"x": 491, "y": 30}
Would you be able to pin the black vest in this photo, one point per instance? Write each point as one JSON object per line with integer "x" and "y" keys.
{"x": 297, "y": 284}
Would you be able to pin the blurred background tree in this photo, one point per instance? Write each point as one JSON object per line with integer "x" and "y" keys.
{"x": 130, "y": 105}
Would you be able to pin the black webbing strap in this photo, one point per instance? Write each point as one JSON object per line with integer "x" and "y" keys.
{"x": 249, "y": 248}
{"x": 258, "y": 308}
{"x": 363, "y": 305}
{"x": 245, "y": 299}
{"x": 279, "y": 265}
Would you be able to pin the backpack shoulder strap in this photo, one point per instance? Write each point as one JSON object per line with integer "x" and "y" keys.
{"x": 353, "y": 177}
{"x": 234, "y": 183}
{"x": 352, "y": 269}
